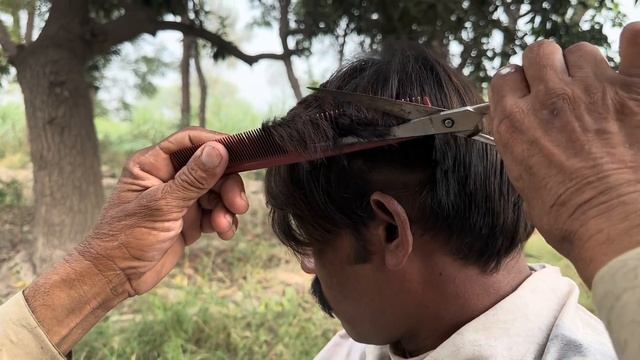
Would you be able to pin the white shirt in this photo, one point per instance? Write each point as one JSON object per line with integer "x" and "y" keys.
{"x": 540, "y": 320}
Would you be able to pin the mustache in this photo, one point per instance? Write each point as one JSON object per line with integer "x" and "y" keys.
{"x": 321, "y": 299}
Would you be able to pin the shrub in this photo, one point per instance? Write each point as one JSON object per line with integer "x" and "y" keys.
{"x": 10, "y": 193}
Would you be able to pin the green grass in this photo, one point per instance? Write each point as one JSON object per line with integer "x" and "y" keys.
{"x": 14, "y": 146}
{"x": 538, "y": 251}
{"x": 199, "y": 324}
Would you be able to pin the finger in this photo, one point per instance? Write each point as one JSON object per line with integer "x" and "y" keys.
{"x": 233, "y": 194}
{"x": 228, "y": 235}
{"x": 191, "y": 224}
{"x": 544, "y": 66}
{"x": 585, "y": 60}
{"x": 205, "y": 222}
{"x": 508, "y": 86}
{"x": 221, "y": 219}
{"x": 508, "y": 82}
{"x": 630, "y": 50}
{"x": 155, "y": 160}
{"x": 200, "y": 174}
{"x": 210, "y": 200}
{"x": 188, "y": 137}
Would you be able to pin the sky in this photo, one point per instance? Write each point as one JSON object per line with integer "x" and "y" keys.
{"x": 265, "y": 84}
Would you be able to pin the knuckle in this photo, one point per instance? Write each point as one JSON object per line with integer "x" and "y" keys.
{"x": 580, "y": 54}
{"x": 193, "y": 178}
{"x": 579, "y": 49}
{"x": 131, "y": 164}
{"x": 157, "y": 204}
{"x": 505, "y": 122}
{"x": 631, "y": 31}
{"x": 558, "y": 100}
{"x": 515, "y": 111}
{"x": 540, "y": 47}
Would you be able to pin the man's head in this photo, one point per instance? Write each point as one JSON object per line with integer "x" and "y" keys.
{"x": 382, "y": 227}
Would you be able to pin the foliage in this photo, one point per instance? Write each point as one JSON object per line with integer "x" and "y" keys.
{"x": 487, "y": 32}
{"x": 153, "y": 119}
{"x": 14, "y": 146}
{"x": 538, "y": 251}
{"x": 10, "y": 193}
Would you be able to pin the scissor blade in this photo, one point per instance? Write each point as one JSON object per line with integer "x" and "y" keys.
{"x": 401, "y": 109}
{"x": 465, "y": 121}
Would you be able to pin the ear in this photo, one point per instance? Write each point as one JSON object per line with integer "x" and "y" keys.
{"x": 393, "y": 229}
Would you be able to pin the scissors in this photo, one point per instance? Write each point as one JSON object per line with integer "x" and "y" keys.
{"x": 467, "y": 121}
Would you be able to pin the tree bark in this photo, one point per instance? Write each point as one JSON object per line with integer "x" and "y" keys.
{"x": 185, "y": 108}
{"x": 64, "y": 147}
{"x": 202, "y": 83}
{"x": 286, "y": 58}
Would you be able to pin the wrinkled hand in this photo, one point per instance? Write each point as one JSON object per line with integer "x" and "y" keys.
{"x": 154, "y": 213}
{"x": 568, "y": 129}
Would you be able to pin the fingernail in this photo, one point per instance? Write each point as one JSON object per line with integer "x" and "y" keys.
{"x": 210, "y": 156}
{"x": 229, "y": 219}
{"x": 508, "y": 69}
{"x": 243, "y": 196}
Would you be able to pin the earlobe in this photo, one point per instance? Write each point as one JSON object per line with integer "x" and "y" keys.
{"x": 398, "y": 238}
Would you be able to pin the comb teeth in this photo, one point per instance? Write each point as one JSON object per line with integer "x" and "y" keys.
{"x": 424, "y": 100}
{"x": 329, "y": 115}
{"x": 245, "y": 147}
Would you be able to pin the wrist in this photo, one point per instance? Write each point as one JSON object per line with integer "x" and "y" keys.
{"x": 114, "y": 279}
{"x": 603, "y": 239}
{"x": 69, "y": 299}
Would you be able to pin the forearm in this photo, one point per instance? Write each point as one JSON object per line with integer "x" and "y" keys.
{"x": 71, "y": 298}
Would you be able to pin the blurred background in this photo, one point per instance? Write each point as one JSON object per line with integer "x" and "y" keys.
{"x": 85, "y": 83}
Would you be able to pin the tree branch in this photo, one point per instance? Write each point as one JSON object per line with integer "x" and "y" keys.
{"x": 138, "y": 20}
{"x": 31, "y": 18}
{"x": 216, "y": 41}
{"x": 284, "y": 31}
{"x": 10, "y": 48}
{"x": 135, "y": 22}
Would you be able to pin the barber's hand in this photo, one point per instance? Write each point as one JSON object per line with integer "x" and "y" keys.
{"x": 568, "y": 129}
{"x": 154, "y": 213}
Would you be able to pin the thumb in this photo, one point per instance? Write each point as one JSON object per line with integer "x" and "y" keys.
{"x": 201, "y": 173}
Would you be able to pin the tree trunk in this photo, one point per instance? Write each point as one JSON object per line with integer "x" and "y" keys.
{"x": 202, "y": 82}
{"x": 64, "y": 147}
{"x": 185, "y": 108}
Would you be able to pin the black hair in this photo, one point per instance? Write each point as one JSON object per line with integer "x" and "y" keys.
{"x": 452, "y": 188}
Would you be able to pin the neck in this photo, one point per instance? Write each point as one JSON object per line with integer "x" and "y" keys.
{"x": 461, "y": 294}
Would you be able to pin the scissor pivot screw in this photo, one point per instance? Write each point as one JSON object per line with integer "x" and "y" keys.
{"x": 448, "y": 123}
